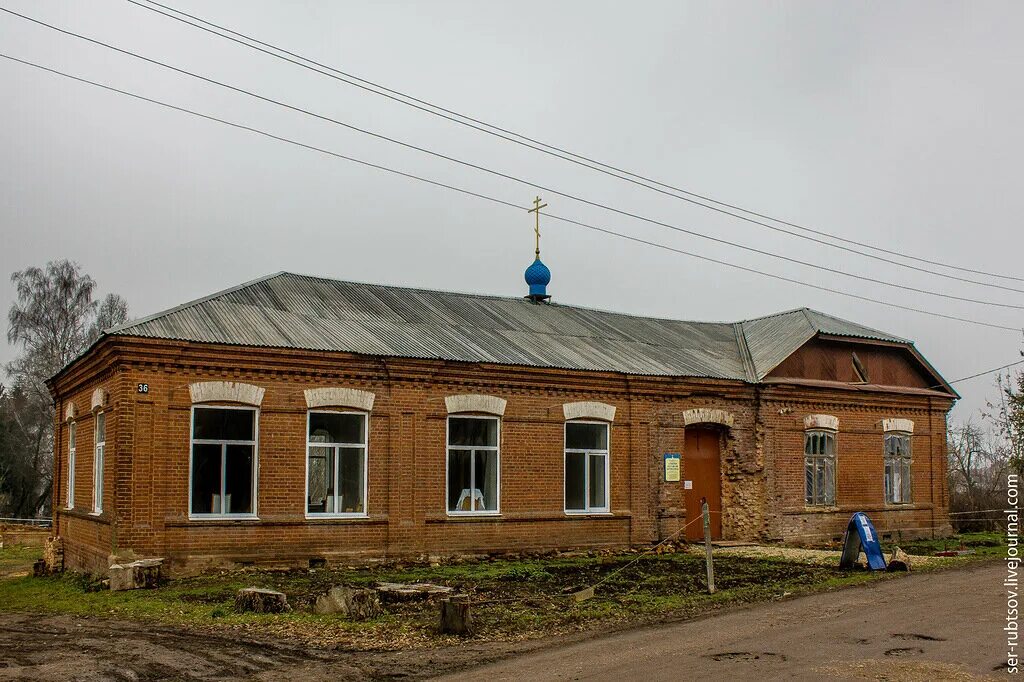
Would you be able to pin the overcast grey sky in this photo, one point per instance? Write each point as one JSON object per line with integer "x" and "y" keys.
{"x": 893, "y": 123}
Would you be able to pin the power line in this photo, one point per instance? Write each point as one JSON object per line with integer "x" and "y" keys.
{"x": 495, "y": 200}
{"x": 561, "y": 153}
{"x": 981, "y": 374}
{"x": 507, "y": 176}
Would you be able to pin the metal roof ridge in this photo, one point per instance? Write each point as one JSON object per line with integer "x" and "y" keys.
{"x": 746, "y": 356}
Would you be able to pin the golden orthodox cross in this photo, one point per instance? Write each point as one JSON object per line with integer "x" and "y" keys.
{"x": 537, "y": 206}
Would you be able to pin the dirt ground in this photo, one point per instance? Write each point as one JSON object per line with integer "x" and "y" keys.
{"x": 936, "y": 625}
{"x": 43, "y": 647}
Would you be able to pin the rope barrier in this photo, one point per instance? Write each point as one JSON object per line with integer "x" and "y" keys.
{"x": 641, "y": 556}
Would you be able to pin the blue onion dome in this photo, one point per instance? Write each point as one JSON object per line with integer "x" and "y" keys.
{"x": 538, "y": 277}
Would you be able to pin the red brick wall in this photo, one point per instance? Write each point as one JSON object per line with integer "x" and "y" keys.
{"x": 762, "y": 480}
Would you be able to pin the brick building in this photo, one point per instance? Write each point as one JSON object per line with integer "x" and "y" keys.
{"x": 293, "y": 419}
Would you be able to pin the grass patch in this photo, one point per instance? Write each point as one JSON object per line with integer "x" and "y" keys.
{"x": 512, "y": 599}
{"x": 16, "y": 559}
{"x": 985, "y": 545}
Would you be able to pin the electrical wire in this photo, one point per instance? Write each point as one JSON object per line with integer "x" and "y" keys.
{"x": 507, "y": 176}
{"x": 558, "y": 152}
{"x": 981, "y": 374}
{"x": 495, "y": 200}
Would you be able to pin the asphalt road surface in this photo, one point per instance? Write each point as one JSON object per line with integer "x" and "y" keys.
{"x": 927, "y": 626}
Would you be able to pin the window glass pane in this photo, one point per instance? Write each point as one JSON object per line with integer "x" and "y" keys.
{"x": 350, "y": 483}
{"x": 888, "y": 480}
{"x": 101, "y": 427}
{"x": 459, "y": 485}
{"x": 238, "y": 480}
{"x": 597, "y": 488}
{"x": 465, "y": 431}
{"x": 206, "y": 479}
{"x": 211, "y": 423}
{"x": 333, "y": 427}
{"x": 828, "y": 490}
{"x": 897, "y": 484}
{"x": 575, "y": 481}
{"x": 809, "y": 481}
{"x": 72, "y": 431}
{"x": 320, "y": 492}
{"x": 905, "y": 480}
{"x": 97, "y": 483}
{"x": 586, "y": 436}
{"x": 485, "y": 493}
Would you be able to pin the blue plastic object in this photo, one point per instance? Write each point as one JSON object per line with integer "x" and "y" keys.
{"x": 861, "y": 534}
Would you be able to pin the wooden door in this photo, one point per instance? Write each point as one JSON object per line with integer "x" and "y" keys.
{"x": 702, "y": 466}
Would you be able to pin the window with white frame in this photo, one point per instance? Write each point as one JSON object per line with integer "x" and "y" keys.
{"x": 336, "y": 464}
{"x": 223, "y": 465}
{"x": 819, "y": 468}
{"x": 100, "y": 446}
{"x": 473, "y": 465}
{"x": 897, "y": 468}
{"x": 586, "y": 467}
{"x": 72, "y": 435}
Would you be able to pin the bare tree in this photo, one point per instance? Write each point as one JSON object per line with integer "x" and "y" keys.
{"x": 112, "y": 312}
{"x": 977, "y": 476}
{"x": 1007, "y": 416}
{"x": 53, "y": 319}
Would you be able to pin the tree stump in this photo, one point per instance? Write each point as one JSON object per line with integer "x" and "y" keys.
{"x": 259, "y": 600}
{"x": 354, "y": 603}
{"x": 398, "y": 592}
{"x": 455, "y": 616}
{"x": 899, "y": 561}
{"x": 137, "y": 575}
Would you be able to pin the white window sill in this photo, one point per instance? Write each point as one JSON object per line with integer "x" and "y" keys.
{"x": 596, "y": 512}
{"x": 328, "y": 517}
{"x": 462, "y": 515}
{"x": 223, "y": 517}
{"x": 96, "y": 513}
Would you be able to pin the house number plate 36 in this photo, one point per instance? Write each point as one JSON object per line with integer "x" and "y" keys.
{"x": 143, "y": 388}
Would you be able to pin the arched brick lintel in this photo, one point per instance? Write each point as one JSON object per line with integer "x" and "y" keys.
{"x": 589, "y": 410}
{"x": 226, "y": 391}
{"x": 98, "y": 400}
{"x": 708, "y": 415}
{"x": 473, "y": 402}
{"x": 821, "y": 421}
{"x": 901, "y": 425}
{"x": 340, "y": 397}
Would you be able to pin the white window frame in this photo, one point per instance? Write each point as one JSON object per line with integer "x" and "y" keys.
{"x": 72, "y": 451}
{"x": 888, "y": 461}
{"x": 472, "y": 464}
{"x": 835, "y": 467}
{"x": 365, "y": 445}
{"x": 99, "y": 453}
{"x": 606, "y": 509}
{"x": 224, "y": 443}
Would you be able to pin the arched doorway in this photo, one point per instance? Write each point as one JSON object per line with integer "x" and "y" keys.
{"x": 702, "y": 465}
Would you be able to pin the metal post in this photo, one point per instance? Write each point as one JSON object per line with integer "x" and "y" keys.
{"x": 707, "y": 543}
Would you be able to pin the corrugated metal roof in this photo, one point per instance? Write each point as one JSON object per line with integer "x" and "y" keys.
{"x": 286, "y": 310}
